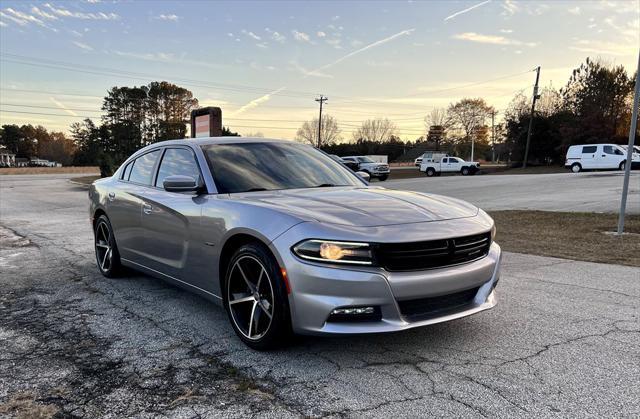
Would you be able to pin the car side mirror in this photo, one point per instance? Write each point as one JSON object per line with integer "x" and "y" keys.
{"x": 364, "y": 176}
{"x": 180, "y": 183}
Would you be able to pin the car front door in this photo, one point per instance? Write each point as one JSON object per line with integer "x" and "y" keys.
{"x": 445, "y": 165}
{"x": 125, "y": 205}
{"x": 169, "y": 219}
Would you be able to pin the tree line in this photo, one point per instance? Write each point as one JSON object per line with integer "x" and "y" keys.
{"x": 594, "y": 106}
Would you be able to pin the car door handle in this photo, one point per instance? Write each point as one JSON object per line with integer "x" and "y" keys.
{"x": 146, "y": 208}
{"x": 112, "y": 196}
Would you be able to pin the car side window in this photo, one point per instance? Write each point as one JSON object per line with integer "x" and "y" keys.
{"x": 142, "y": 171}
{"x": 609, "y": 149}
{"x": 127, "y": 170}
{"x": 445, "y": 160}
{"x": 178, "y": 161}
{"x": 589, "y": 149}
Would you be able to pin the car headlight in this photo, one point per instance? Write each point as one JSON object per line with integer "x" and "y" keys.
{"x": 334, "y": 252}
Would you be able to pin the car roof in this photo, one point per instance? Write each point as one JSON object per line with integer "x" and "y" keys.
{"x": 221, "y": 140}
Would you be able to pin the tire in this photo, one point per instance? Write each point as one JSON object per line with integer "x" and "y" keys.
{"x": 576, "y": 168}
{"x": 255, "y": 297}
{"x": 465, "y": 171}
{"x": 431, "y": 172}
{"x": 106, "y": 249}
{"x": 383, "y": 178}
{"x": 622, "y": 165}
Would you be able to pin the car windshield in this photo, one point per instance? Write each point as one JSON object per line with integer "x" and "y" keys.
{"x": 248, "y": 167}
{"x": 365, "y": 159}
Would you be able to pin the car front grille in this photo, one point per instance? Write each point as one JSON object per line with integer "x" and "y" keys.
{"x": 432, "y": 254}
{"x": 430, "y": 307}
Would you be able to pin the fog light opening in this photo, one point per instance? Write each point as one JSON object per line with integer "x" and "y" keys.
{"x": 355, "y": 314}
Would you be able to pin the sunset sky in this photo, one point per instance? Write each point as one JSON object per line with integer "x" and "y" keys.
{"x": 265, "y": 62}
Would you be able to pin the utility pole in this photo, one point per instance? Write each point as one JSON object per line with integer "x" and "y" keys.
{"x": 632, "y": 135}
{"x": 321, "y": 99}
{"x": 536, "y": 96}
{"x": 493, "y": 136}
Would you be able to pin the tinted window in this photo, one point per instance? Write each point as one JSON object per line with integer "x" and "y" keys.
{"x": 590, "y": 149}
{"x": 609, "y": 149}
{"x": 178, "y": 161}
{"x": 142, "y": 171}
{"x": 127, "y": 171}
{"x": 271, "y": 166}
{"x": 365, "y": 160}
{"x": 445, "y": 161}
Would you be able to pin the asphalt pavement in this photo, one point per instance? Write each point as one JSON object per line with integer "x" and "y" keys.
{"x": 563, "y": 341}
{"x": 581, "y": 192}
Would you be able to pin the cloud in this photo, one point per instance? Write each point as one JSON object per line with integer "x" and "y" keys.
{"x": 171, "y": 17}
{"x": 602, "y": 47}
{"x": 83, "y": 46}
{"x": 251, "y": 35}
{"x": 256, "y": 102}
{"x": 490, "y": 39}
{"x": 321, "y": 34}
{"x": 62, "y": 106}
{"x": 335, "y": 42}
{"x": 262, "y": 45}
{"x": 506, "y": 30}
{"x": 81, "y": 15}
{"x": 43, "y": 14}
{"x": 510, "y": 8}
{"x": 574, "y": 10}
{"x": 333, "y": 19}
{"x": 300, "y": 36}
{"x": 164, "y": 57}
{"x": 2, "y": 24}
{"x": 468, "y": 9}
{"x": 276, "y": 36}
{"x": 309, "y": 73}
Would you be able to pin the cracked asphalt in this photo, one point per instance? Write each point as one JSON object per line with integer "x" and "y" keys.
{"x": 564, "y": 340}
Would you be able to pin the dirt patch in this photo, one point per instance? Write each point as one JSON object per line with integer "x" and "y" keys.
{"x": 569, "y": 235}
{"x": 10, "y": 238}
{"x": 25, "y": 406}
{"x": 48, "y": 170}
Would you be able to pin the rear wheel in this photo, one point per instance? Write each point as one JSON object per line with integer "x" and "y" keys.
{"x": 465, "y": 171}
{"x": 107, "y": 256}
{"x": 575, "y": 167}
{"x": 431, "y": 171}
{"x": 256, "y": 299}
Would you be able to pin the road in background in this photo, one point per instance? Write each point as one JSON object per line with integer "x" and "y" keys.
{"x": 564, "y": 339}
{"x": 580, "y": 192}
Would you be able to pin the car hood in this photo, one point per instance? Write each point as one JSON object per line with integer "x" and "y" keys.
{"x": 360, "y": 207}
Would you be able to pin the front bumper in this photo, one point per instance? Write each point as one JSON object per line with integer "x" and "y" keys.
{"x": 318, "y": 289}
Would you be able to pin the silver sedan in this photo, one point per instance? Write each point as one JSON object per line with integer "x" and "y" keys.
{"x": 289, "y": 240}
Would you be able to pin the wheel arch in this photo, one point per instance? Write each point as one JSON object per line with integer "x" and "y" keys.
{"x": 97, "y": 214}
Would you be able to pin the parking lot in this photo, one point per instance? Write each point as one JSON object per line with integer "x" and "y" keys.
{"x": 564, "y": 339}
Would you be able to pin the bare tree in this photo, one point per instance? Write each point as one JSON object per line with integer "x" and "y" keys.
{"x": 330, "y": 133}
{"x": 436, "y": 124}
{"x": 379, "y": 129}
{"x": 256, "y": 134}
{"x": 469, "y": 115}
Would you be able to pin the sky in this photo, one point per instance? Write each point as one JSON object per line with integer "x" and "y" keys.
{"x": 264, "y": 62}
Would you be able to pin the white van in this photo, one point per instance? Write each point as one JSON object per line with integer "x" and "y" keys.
{"x": 597, "y": 156}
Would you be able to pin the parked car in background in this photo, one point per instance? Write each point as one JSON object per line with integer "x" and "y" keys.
{"x": 351, "y": 164}
{"x": 598, "y": 156}
{"x": 449, "y": 164}
{"x": 369, "y": 166}
{"x": 233, "y": 220}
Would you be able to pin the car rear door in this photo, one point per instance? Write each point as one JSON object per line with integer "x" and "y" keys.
{"x": 588, "y": 158}
{"x": 170, "y": 218}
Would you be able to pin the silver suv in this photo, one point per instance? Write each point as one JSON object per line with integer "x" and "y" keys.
{"x": 369, "y": 166}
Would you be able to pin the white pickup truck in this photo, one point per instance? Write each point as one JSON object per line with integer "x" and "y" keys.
{"x": 449, "y": 165}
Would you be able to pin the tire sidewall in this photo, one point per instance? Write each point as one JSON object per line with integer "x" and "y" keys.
{"x": 465, "y": 171}
{"x": 114, "y": 268}
{"x": 575, "y": 168}
{"x": 430, "y": 172}
{"x": 280, "y": 328}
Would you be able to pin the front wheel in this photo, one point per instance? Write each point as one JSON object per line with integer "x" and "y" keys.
{"x": 465, "y": 171}
{"x": 431, "y": 172}
{"x": 622, "y": 165}
{"x": 107, "y": 256}
{"x": 383, "y": 178}
{"x": 576, "y": 168}
{"x": 255, "y": 298}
